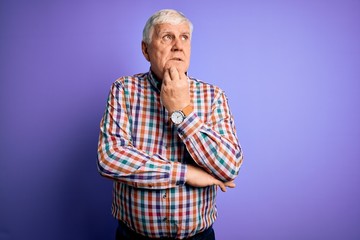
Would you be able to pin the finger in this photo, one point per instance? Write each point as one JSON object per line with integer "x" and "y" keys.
{"x": 222, "y": 186}
{"x": 166, "y": 77}
{"x": 183, "y": 76}
{"x": 230, "y": 184}
{"x": 167, "y": 66}
{"x": 174, "y": 73}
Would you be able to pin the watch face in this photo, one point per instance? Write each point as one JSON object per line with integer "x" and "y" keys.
{"x": 177, "y": 117}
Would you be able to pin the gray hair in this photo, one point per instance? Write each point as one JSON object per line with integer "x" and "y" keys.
{"x": 164, "y": 16}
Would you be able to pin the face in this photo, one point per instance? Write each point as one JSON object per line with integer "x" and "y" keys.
{"x": 170, "y": 46}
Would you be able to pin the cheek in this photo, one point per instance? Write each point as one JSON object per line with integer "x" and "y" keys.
{"x": 163, "y": 56}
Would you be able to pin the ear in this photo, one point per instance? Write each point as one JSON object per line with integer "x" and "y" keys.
{"x": 144, "y": 49}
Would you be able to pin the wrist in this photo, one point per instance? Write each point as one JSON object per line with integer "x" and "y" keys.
{"x": 179, "y": 116}
{"x": 187, "y": 110}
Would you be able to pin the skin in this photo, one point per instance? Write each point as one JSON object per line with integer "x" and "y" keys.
{"x": 169, "y": 56}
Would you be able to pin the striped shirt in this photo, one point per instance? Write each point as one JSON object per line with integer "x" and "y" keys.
{"x": 146, "y": 156}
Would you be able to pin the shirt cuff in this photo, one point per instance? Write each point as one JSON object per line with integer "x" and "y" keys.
{"x": 178, "y": 174}
{"x": 190, "y": 126}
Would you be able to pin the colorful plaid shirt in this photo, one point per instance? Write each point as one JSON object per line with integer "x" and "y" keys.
{"x": 146, "y": 156}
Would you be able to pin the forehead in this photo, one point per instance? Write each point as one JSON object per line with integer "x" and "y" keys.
{"x": 172, "y": 28}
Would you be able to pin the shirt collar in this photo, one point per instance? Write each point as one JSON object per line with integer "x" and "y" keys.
{"x": 156, "y": 83}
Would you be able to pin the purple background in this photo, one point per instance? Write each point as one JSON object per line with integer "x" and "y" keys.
{"x": 291, "y": 70}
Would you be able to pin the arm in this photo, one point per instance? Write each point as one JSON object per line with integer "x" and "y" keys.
{"x": 214, "y": 145}
{"x": 119, "y": 160}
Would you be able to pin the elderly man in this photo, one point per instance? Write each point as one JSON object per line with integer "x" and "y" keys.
{"x": 167, "y": 140}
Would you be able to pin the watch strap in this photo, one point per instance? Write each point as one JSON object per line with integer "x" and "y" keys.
{"x": 187, "y": 110}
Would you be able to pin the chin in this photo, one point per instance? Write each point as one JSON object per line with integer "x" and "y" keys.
{"x": 180, "y": 66}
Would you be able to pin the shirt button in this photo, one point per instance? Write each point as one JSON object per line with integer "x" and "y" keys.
{"x": 164, "y": 196}
{"x": 164, "y": 219}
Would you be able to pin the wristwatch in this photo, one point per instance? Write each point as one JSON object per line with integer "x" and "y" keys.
{"x": 178, "y": 116}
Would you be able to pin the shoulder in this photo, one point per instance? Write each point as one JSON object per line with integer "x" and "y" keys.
{"x": 205, "y": 87}
{"x": 135, "y": 79}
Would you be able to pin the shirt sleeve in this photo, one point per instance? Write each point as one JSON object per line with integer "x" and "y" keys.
{"x": 119, "y": 160}
{"x": 214, "y": 145}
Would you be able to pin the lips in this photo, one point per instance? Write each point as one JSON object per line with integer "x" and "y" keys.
{"x": 176, "y": 59}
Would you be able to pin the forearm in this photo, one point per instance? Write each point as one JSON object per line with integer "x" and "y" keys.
{"x": 120, "y": 160}
{"x": 211, "y": 151}
{"x": 213, "y": 145}
{"x": 136, "y": 168}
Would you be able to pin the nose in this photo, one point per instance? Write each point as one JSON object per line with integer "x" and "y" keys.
{"x": 178, "y": 45}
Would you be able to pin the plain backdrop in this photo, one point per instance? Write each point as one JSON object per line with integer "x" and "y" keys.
{"x": 291, "y": 71}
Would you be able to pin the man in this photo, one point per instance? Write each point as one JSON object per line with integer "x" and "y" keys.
{"x": 167, "y": 141}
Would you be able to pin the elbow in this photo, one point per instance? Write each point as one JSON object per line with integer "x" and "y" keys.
{"x": 233, "y": 170}
{"x": 238, "y": 163}
{"x": 103, "y": 165}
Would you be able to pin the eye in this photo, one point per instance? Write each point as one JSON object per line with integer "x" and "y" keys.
{"x": 185, "y": 37}
{"x": 167, "y": 37}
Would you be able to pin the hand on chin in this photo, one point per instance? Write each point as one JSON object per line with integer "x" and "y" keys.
{"x": 179, "y": 65}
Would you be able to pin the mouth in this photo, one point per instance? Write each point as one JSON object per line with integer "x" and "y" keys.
{"x": 176, "y": 59}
